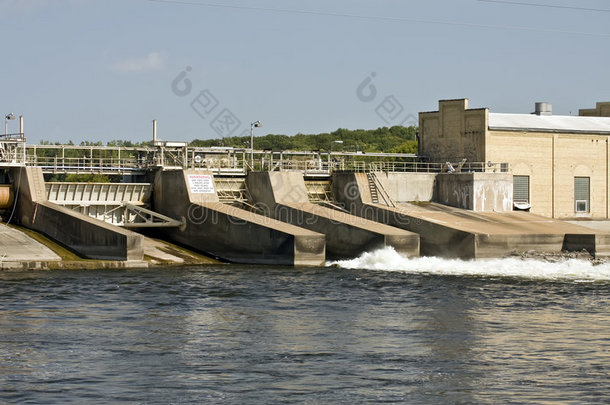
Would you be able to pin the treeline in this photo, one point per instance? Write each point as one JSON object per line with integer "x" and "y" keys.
{"x": 394, "y": 139}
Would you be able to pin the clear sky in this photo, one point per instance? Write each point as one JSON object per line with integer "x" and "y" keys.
{"x": 99, "y": 70}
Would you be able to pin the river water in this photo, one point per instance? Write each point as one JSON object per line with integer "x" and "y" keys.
{"x": 380, "y": 328}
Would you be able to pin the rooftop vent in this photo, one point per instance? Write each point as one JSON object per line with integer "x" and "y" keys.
{"x": 543, "y": 109}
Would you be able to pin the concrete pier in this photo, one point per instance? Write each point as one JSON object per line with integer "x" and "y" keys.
{"x": 458, "y": 233}
{"x": 88, "y": 237}
{"x": 227, "y": 232}
{"x": 283, "y": 195}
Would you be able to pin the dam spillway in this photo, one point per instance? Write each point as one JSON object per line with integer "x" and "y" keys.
{"x": 295, "y": 212}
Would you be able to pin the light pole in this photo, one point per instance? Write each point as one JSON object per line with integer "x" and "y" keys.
{"x": 8, "y": 117}
{"x": 255, "y": 124}
{"x": 331, "y": 150}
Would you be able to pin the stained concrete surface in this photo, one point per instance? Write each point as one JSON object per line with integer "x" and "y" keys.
{"x": 159, "y": 252}
{"x": 155, "y": 250}
{"x": 17, "y": 246}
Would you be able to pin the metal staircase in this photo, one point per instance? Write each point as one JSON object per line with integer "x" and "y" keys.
{"x": 373, "y": 187}
{"x": 378, "y": 191}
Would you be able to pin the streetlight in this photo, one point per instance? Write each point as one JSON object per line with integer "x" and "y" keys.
{"x": 331, "y": 150}
{"x": 8, "y": 117}
{"x": 255, "y": 124}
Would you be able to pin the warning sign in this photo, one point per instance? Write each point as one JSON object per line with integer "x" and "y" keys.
{"x": 201, "y": 183}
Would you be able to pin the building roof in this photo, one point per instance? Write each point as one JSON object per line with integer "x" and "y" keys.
{"x": 549, "y": 123}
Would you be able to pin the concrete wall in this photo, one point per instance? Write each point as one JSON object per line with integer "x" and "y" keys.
{"x": 88, "y": 237}
{"x": 440, "y": 240}
{"x": 472, "y": 191}
{"x": 482, "y": 192}
{"x": 228, "y": 232}
{"x": 406, "y": 187}
{"x": 351, "y": 190}
{"x": 270, "y": 188}
{"x": 284, "y": 195}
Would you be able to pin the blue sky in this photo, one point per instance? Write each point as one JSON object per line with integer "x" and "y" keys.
{"x": 99, "y": 70}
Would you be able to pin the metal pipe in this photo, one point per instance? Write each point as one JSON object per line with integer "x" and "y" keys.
{"x": 256, "y": 124}
{"x": 154, "y": 123}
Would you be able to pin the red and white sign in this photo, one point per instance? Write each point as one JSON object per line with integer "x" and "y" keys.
{"x": 201, "y": 183}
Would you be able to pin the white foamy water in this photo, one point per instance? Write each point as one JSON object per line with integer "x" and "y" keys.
{"x": 387, "y": 259}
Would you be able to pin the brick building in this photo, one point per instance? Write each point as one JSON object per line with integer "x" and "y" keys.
{"x": 560, "y": 164}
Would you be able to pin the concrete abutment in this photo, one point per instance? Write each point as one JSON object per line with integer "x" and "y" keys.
{"x": 230, "y": 233}
{"x": 488, "y": 229}
{"x": 86, "y": 236}
{"x": 284, "y": 196}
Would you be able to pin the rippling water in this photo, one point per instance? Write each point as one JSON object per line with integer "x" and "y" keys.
{"x": 421, "y": 333}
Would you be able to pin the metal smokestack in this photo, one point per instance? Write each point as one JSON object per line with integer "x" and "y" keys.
{"x": 154, "y": 132}
{"x": 21, "y": 124}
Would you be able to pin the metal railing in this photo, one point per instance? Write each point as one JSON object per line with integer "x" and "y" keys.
{"x": 86, "y": 165}
{"x": 12, "y": 150}
{"x": 90, "y": 159}
{"x": 437, "y": 167}
{"x": 223, "y": 162}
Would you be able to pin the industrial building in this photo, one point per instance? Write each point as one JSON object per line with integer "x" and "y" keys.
{"x": 560, "y": 164}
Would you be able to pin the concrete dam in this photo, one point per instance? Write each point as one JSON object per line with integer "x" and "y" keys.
{"x": 283, "y": 213}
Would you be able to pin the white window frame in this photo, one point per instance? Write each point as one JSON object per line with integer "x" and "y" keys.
{"x": 581, "y": 201}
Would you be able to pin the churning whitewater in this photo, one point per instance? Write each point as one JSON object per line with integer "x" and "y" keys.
{"x": 387, "y": 259}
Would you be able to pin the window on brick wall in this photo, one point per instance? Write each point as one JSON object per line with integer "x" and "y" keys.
{"x": 521, "y": 189}
{"x": 582, "y": 194}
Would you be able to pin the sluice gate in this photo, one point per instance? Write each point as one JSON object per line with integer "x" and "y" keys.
{"x": 120, "y": 204}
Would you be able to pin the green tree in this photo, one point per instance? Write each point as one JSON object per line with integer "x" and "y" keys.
{"x": 382, "y": 139}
